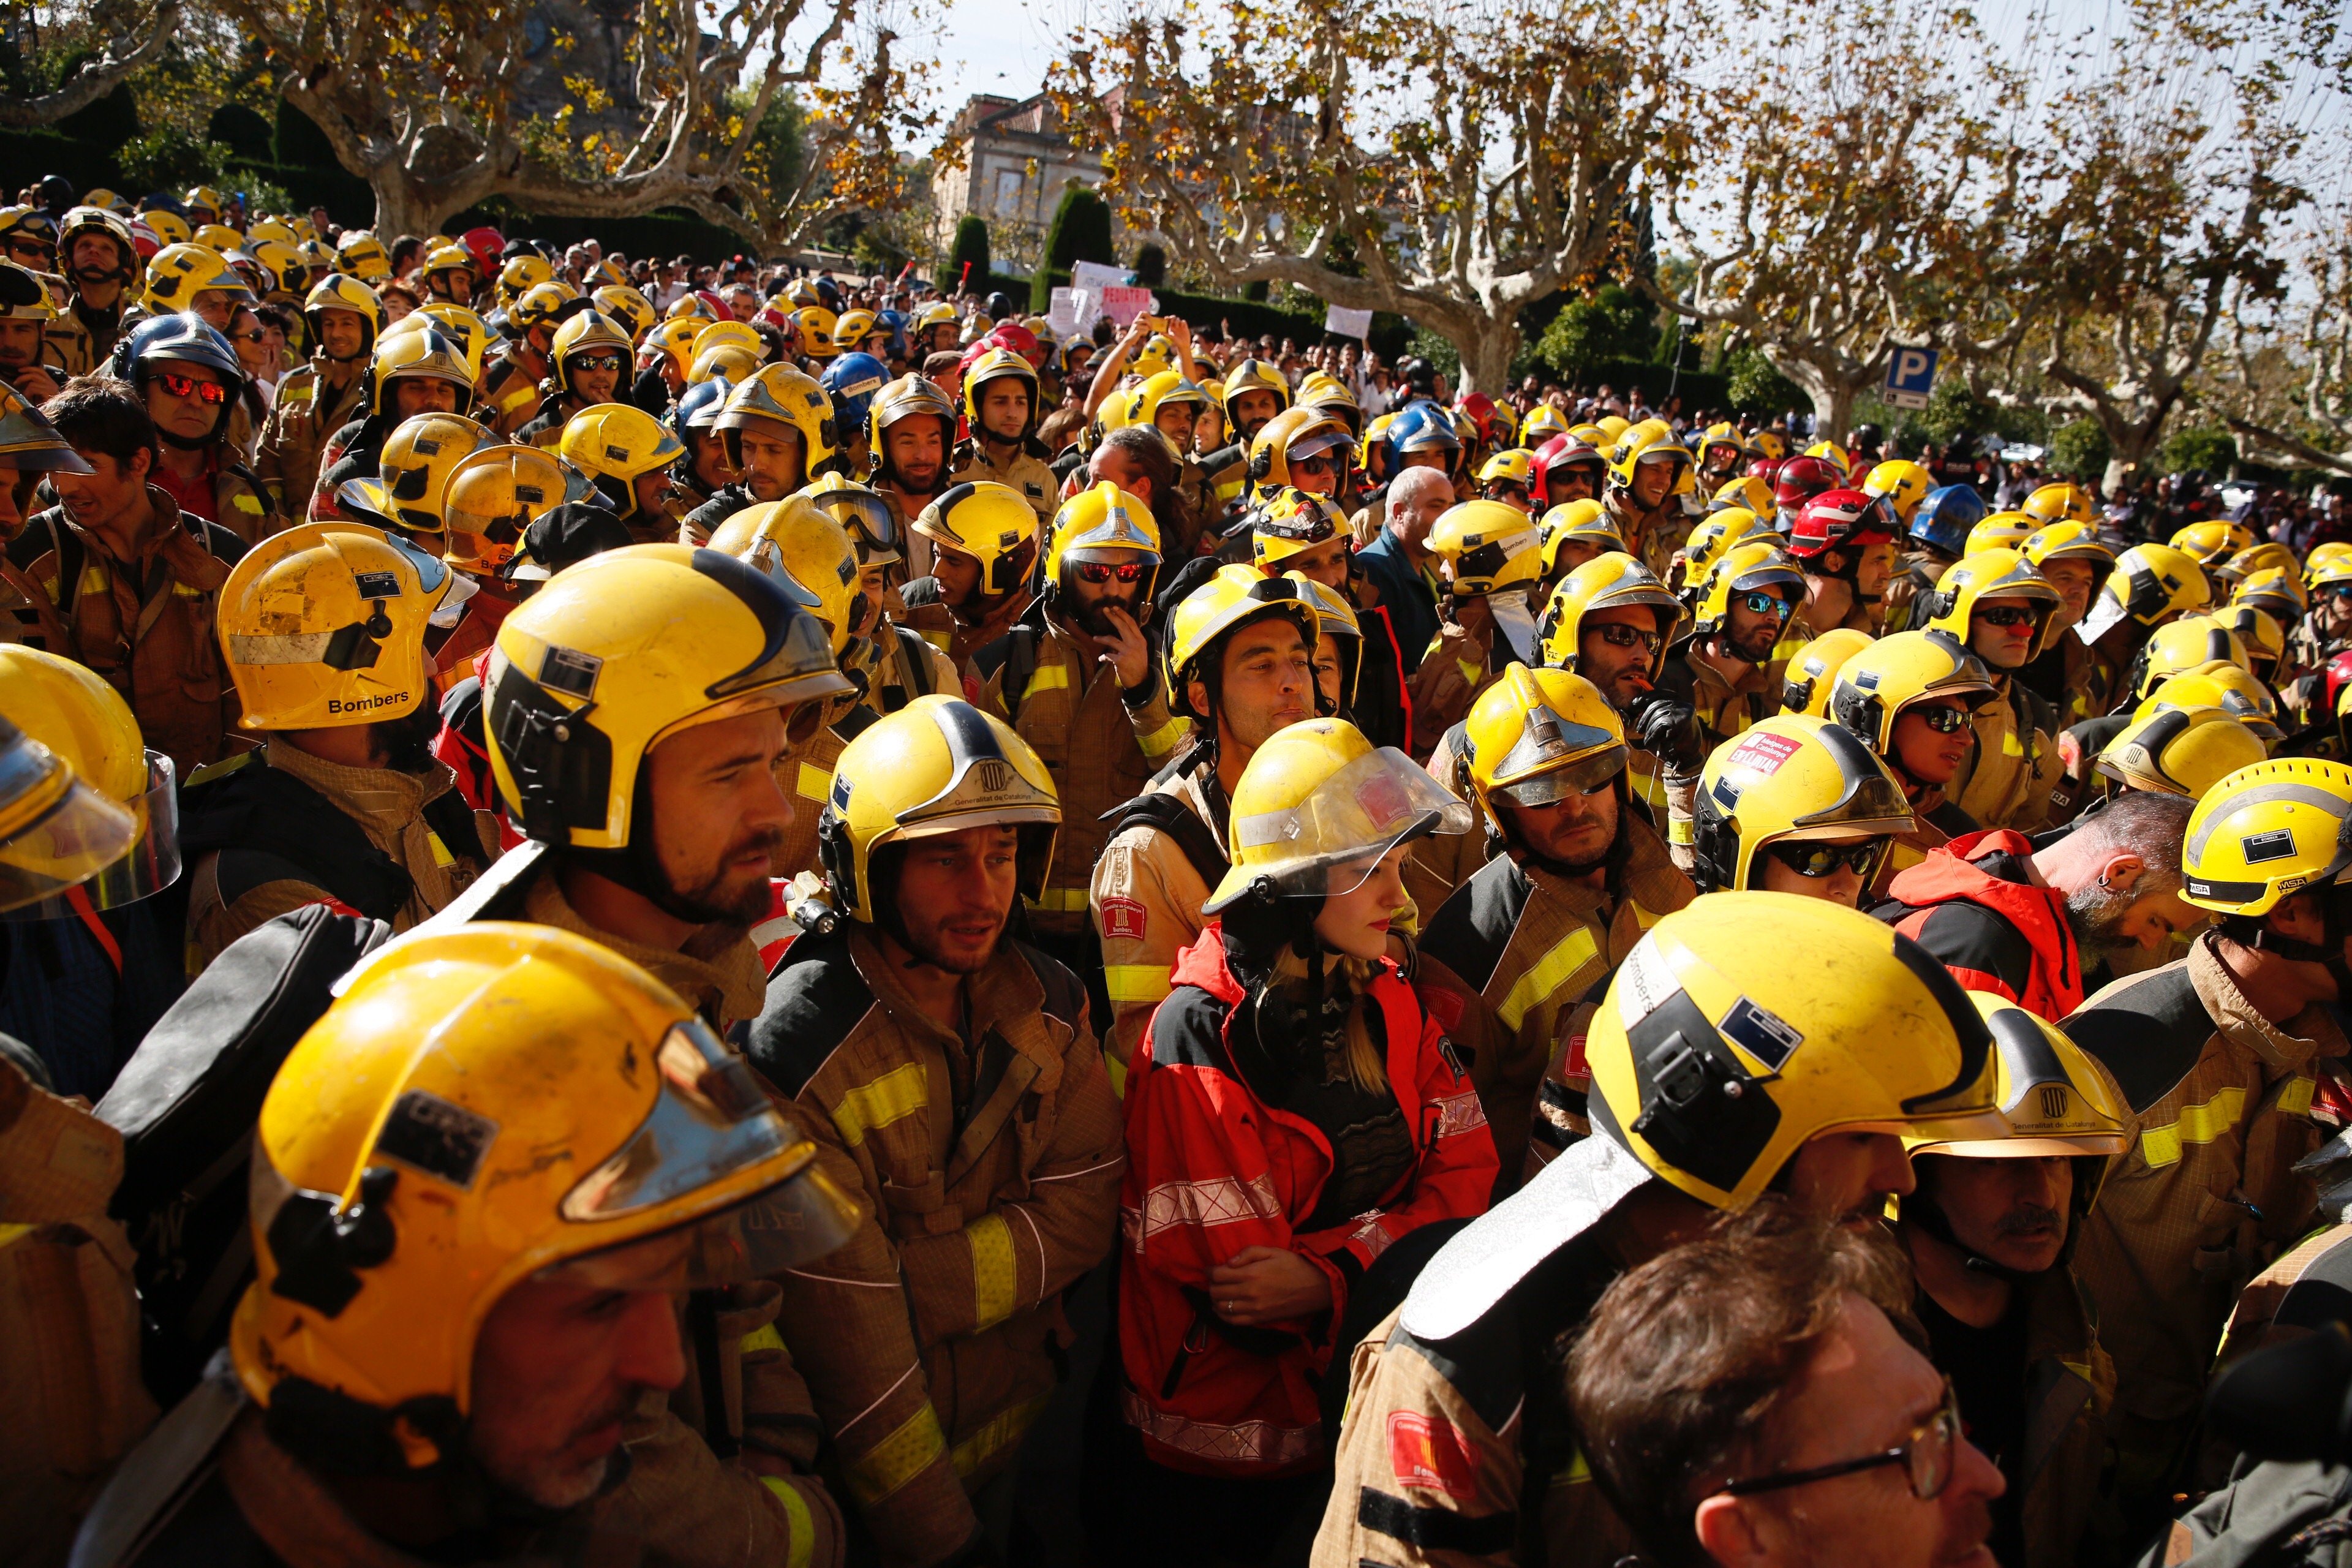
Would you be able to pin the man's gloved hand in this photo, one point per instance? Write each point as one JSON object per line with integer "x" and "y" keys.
{"x": 1669, "y": 730}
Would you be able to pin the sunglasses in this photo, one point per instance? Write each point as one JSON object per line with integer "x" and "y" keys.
{"x": 2337, "y": 591}
{"x": 178, "y": 385}
{"x": 1101, "y": 572}
{"x": 1942, "y": 719}
{"x": 255, "y": 336}
{"x": 1811, "y": 858}
{"x": 1315, "y": 467}
{"x": 1766, "y": 605}
{"x": 1618, "y": 635}
{"x": 32, "y": 247}
{"x": 1925, "y": 1458}
{"x": 2009, "y": 615}
{"x": 599, "y": 361}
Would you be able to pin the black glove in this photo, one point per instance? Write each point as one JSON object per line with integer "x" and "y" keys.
{"x": 1669, "y": 730}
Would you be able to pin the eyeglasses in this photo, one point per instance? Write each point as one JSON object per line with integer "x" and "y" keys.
{"x": 255, "y": 336}
{"x": 2008, "y": 615}
{"x": 1944, "y": 721}
{"x": 1926, "y": 1459}
{"x": 1812, "y": 857}
{"x": 1507, "y": 489}
{"x": 598, "y": 362}
{"x": 179, "y": 386}
{"x": 1100, "y": 572}
{"x": 1765, "y": 605}
{"x": 1616, "y": 633}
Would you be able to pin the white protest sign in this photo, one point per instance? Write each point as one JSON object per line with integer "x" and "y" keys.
{"x": 1072, "y": 311}
{"x": 1347, "y": 323}
{"x": 1096, "y": 276}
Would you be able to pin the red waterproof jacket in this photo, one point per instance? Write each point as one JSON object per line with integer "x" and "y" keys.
{"x": 1212, "y": 1169}
{"x": 1969, "y": 903}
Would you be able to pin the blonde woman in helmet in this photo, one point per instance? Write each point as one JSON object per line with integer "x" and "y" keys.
{"x": 2217, "y": 1054}
{"x": 1292, "y": 1065}
{"x": 343, "y": 803}
{"x": 1990, "y": 1229}
{"x": 1894, "y": 1051}
{"x": 473, "y": 1261}
{"x": 1077, "y": 679}
{"x": 947, "y": 1070}
{"x": 1578, "y": 874}
{"x": 1240, "y": 654}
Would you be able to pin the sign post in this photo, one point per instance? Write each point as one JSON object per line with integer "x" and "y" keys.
{"x": 1910, "y": 376}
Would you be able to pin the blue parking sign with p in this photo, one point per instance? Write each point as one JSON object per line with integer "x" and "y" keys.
{"x": 1910, "y": 376}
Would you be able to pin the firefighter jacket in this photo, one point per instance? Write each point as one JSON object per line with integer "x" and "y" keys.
{"x": 227, "y": 493}
{"x": 273, "y": 829}
{"x": 1027, "y": 473}
{"x": 907, "y": 665}
{"x": 904, "y": 510}
{"x": 987, "y": 1165}
{"x": 1458, "y": 1452}
{"x": 83, "y": 337}
{"x": 27, "y": 616}
{"x": 457, "y": 656}
{"x": 2015, "y": 762}
{"x": 806, "y": 778}
{"x": 1382, "y": 707}
{"x": 945, "y": 626}
{"x": 68, "y": 1318}
{"x": 1438, "y": 863}
{"x": 1515, "y": 965}
{"x": 2308, "y": 649}
{"x": 353, "y": 452}
{"x": 1935, "y": 822}
{"x": 1101, "y": 743}
{"x": 2206, "y": 1196}
{"x": 147, "y": 625}
{"x": 1724, "y": 710}
{"x": 308, "y": 411}
{"x": 718, "y": 972}
{"x": 1149, "y": 886}
{"x": 1218, "y": 1162}
{"x": 1654, "y": 538}
{"x": 545, "y": 428}
{"x": 1974, "y": 905}
{"x": 2057, "y": 1480}
{"x": 510, "y": 395}
{"x": 703, "y": 521}
{"x": 1455, "y": 668}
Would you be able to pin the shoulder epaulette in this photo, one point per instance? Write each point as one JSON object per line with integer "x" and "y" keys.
{"x": 813, "y": 1002}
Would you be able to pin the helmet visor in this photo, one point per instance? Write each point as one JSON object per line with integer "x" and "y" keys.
{"x": 151, "y": 863}
{"x": 867, "y": 519}
{"x": 1585, "y": 775}
{"x": 55, "y": 831}
{"x": 1331, "y": 841}
{"x": 1315, "y": 445}
{"x": 801, "y": 1217}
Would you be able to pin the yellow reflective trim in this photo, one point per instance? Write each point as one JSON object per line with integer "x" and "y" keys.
{"x": 812, "y": 783}
{"x": 1162, "y": 740}
{"x": 1000, "y": 1434}
{"x": 803, "y": 1549}
{"x": 870, "y": 1107}
{"x": 2161, "y": 1146}
{"x": 1046, "y": 678}
{"x": 897, "y": 1459}
{"x": 246, "y": 502}
{"x": 1555, "y": 969}
{"x": 1137, "y": 982}
{"x": 995, "y": 1275}
{"x": 2009, "y": 743}
{"x": 939, "y": 640}
{"x": 93, "y": 579}
{"x": 1470, "y": 672}
{"x": 12, "y": 1234}
{"x": 1678, "y": 830}
{"x": 1579, "y": 1472}
{"x": 1060, "y": 899}
{"x": 2295, "y": 1099}
{"x": 517, "y": 398}
{"x": 1644, "y": 918}
{"x": 441, "y": 856}
{"x": 1117, "y": 1071}
{"x": 763, "y": 1338}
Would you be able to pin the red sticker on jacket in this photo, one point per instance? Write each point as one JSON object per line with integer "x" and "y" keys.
{"x": 1430, "y": 1453}
{"x": 1762, "y": 753}
{"x": 1575, "y": 1070}
{"x": 1123, "y": 917}
{"x": 1443, "y": 1004}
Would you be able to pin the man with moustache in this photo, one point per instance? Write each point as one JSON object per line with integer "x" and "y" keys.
{"x": 1990, "y": 1230}
{"x": 1514, "y": 963}
{"x": 948, "y": 1074}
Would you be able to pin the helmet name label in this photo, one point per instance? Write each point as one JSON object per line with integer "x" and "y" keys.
{"x": 570, "y": 671}
{"x": 2278, "y": 844}
{"x": 377, "y": 585}
{"x": 368, "y": 704}
{"x": 433, "y": 1135}
{"x": 1761, "y": 1033}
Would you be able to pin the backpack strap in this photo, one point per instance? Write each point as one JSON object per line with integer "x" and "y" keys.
{"x": 277, "y": 821}
{"x": 1065, "y": 998}
{"x": 1171, "y": 815}
{"x": 915, "y": 653}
